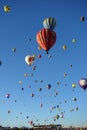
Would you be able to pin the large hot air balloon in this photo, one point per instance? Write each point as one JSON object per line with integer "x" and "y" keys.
{"x": 46, "y": 38}
{"x": 83, "y": 83}
{"x": 49, "y": 23}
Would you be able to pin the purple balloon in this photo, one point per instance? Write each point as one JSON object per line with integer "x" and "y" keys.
{"x": 83, "y": 83}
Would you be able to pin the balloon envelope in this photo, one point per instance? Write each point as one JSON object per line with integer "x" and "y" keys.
{"x": 49, "y": 23}
{"x": 48, "y": 86}
{"x": 29, "y": 59}
{"x": 6, "y": 8}
{"x": 83, "y": 83}
{"x": 82, "y": 18}
{"x": 46, "y": 38}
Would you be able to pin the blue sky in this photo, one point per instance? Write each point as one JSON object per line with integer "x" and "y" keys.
{"x": 23, "y": 22}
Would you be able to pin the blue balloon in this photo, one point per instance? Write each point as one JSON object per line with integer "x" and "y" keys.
{"x": 49, "y": 23}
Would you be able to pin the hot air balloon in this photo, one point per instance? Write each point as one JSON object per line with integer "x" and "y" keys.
{"x": 14, "y": 49}
{"x": 7, "y": 95}
{"x": 64, "y": 47}
{"x": 9, "y": 111}
{"x": 48, "y": 86}
{"x": 34, "y": 68}
{"x": 40, "y": 89}
{"x": 26, "y": 75}
{"x": 39, "y": 48}
{"x": 0, "y": 62}
{"x": 31, "y": 122}
{"x": 46, "y": 38}
{"x": 74, "y": 85}
{"x": 82, "y": 18}
{"x": 57, "y": 116}
{"x": 83, "y": 83}
{"x": 7, "y": 8}
{"x": 39, "y": 56}
{"x": 75, "y": 99}
{"x": 41, "y": 105}
{"x": 29, "y": 59}
{"x": 32, "y": 94}
{"x": 49, "y": 23}
{"x": 77, "y": 108}
{"x": 70, "y": 65}
{"x": 73, "y": 40}
{"x": 65, "y": 75}
{"x": 20, "y": 82}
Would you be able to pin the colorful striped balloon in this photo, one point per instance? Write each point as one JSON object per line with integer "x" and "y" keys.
{"x": 49, "y": 23}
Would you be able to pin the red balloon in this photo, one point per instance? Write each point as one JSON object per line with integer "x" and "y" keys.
{"x": 46, "y": 38}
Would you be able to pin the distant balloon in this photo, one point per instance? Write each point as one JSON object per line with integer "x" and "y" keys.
{"x": 65, "y": 75}
{"x": 20, "y": 82}
{"x": 7, "y": 95}
{"x": 29, "y": 39}
{"x": 25, "y": 75}
{"x": 64, "y": 47}
{"x": 0, "y": 62}
{"x": 41, "y": 105}
{"x": 31, "y": 74}
{"x": 48, "y": 86}
{"x": 72, "y": 109}
{"x": 41, "y": 81}
{"x": 70, "y": 65}
{"x": 22, "y": 89}
{"x": 32, "y": 94}
{"x": 40, "y": 89}
{"x": 9, "y": 111}
{"x": 14, "y": 49}
{"x": 77, "y": 108}
{"x": 57, "y": 106}
{"x": 15, "y": 100}
{"x": 65, "y": 101}
{"x": 35, "y": 81}
{"x": 39, "y": 56}
{"x": 57, "y": 116}
{"x": 58, "y": 83}
{"x": 73, "y": 40}
{"x": 83, "y": 83}
{"x": 31, "y": 122}
{"x": 39, "y": 48}
{"x": 82, "y": 18}
{"x": 27, "y": 117}
{"x": 49, "y": 23}
{"x": 34, "y": 68}
{"x": 7, "y": 8}
{"x": 29, "y": 59}
{"x": 75, "y": 99}
{"x": 49, "y": 56}
{"x": 34, "y": 56}
{"x": 74, "y": 85}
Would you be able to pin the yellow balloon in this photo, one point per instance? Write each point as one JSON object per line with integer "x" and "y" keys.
{"x": 64, "y": 47}
{"x": 6, "y": 8}
{"x": 73, "y": 85}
